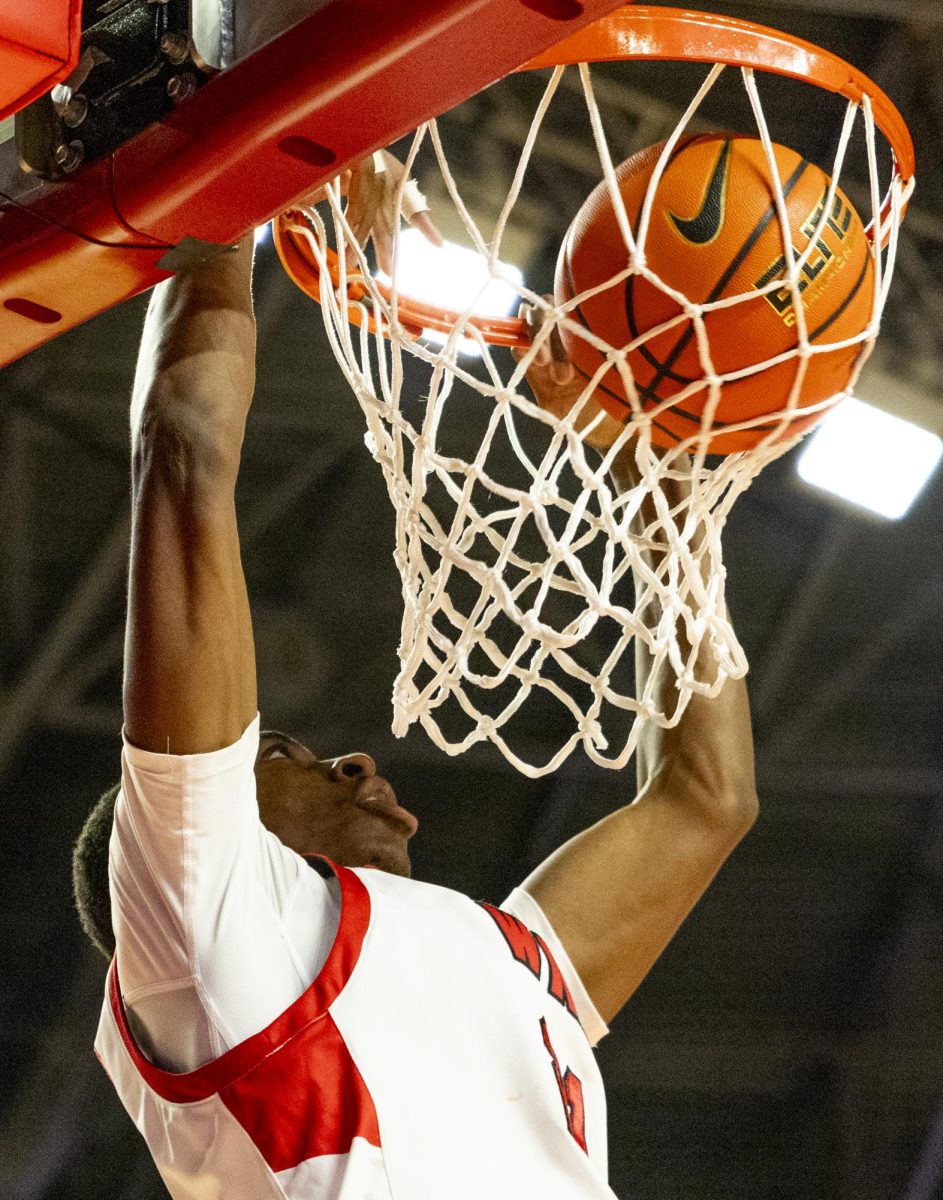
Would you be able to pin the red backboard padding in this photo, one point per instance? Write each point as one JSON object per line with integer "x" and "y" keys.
{"x": 39, "y": 47}
{"x": 348, "y": 79}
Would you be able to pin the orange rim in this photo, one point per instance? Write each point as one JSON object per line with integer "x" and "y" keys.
{"x": 630, "y": 34}
{"x": 415, "y": 316}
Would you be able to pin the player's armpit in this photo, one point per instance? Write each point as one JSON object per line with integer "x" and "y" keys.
{"x": 617, "y": 893}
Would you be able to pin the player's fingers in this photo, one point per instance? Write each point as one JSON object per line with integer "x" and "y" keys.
{"x": 365, "y": 200}
{"x": 539, "y": 317}
{"x": 383, "y": 245}
{"x": 356, "y": 210}
{"x": 359, "y": 214}
{"x": 414, "y": 209}
{"x": 562, "y": 372}
{"x": 552, "y": 352}
{"x": 561, "y": 369}
{"x": 424, "y": 223}
{"x": 523, "y": 314}
{"x": 533, "y": 317}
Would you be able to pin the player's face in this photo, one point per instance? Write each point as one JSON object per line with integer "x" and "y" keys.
{"x": 339, "y": 807}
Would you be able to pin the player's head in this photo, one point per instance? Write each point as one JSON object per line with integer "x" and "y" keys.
{"x": 339, "y": 807}
{"x": 90, "y": 874}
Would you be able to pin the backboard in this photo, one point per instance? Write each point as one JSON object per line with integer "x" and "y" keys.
{"x": 248, "y": 142}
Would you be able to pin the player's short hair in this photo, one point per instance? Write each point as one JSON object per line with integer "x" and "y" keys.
{"x": 90, "y": 874}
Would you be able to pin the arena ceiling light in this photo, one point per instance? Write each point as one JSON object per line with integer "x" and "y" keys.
{"x": 453, "y": 277}
{"x": 875, "y": 460}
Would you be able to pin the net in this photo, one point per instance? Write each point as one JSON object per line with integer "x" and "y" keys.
{"x": 540, "y": 551}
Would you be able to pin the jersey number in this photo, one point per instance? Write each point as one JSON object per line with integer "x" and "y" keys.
{"x": 571, "y": 1093}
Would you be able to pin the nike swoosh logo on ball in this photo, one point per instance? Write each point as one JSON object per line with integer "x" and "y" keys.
{"x": 705, "y": 226}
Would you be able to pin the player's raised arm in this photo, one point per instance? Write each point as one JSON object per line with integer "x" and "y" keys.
{"x": 617, "y": 893}
{"x": 189, "y": 681}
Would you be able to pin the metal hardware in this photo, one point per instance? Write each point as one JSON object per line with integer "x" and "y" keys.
{"x": 69, "y": 156}
{"x": 176, "y": 48}
{"x": 179, "y": 87}
{"x": 71, "y": 109}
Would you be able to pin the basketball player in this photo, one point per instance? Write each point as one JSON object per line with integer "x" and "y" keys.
{"x": 287, "y": 1012}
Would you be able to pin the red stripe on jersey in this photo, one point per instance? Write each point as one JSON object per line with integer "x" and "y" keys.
{"x": 556, "y": 985}
{"x": 311, "y": 1006}
{"x": 527, "y": 948}
{"x": 306, "y": 1099}
{"x": 521, "y": 942}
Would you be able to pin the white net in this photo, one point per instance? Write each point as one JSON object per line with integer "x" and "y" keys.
{"x": 529, "y": 573}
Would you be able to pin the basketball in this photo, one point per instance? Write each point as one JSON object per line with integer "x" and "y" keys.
{"x": 715, "y": 233}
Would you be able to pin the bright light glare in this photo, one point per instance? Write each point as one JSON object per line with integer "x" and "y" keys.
{"x": 263, "y": 233}
{"x": 452, "y": 277}
{"x": 867, "y": 456}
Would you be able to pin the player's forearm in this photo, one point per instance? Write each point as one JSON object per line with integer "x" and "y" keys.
{"x": 189, "y": 662}
{"x": 198, "y": 346}
{"x": 708, "y": 755}
{"x": 707, "y": 758}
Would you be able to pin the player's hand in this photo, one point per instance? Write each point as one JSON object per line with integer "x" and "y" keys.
{"x": 370, "y": 187}
{"x": 554, "y": 381}
{"x": 371, "y": 205}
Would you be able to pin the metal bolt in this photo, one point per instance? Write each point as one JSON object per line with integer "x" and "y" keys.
{"x": 69, "y": 157}
{"x": 176, "y": 47}
{"x": 71, "y": 109}
{"x": 179, "y": 87}
{"x": 75, "y": 112}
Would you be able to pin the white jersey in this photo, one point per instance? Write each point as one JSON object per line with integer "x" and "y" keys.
{"x": 436, "y": 1053}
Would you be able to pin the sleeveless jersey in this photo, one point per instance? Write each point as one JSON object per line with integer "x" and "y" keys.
{"x": 436, "y": 1056}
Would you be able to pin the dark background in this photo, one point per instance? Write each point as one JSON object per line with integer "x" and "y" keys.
{"x": 788, "y": 1044}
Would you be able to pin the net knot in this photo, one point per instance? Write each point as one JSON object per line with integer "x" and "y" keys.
{"x": 404, "y": 699}
{"x": 532, "y": 627}
{"x": 544, "y": 493}
{"x": 485, "y": 727}
{"x": 590, "y": 729}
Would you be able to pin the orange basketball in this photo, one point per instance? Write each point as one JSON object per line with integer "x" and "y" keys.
{"x": 715, "y": 233}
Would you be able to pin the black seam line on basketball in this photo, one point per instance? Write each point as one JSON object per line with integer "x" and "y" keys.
{"x": 704, "y": 227}
{"x": 568, "y": 274}
{"x": 612, "y": 395}
{"x": 643, "y": 349}
{"x": 600, "y": 387}
{"x": 648, "y": 392}
{"x": 621, "y": 400}
{"x": 844, "y": 304}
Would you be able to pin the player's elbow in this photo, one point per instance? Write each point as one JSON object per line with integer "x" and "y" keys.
{"x": 730, "y": 807}
{"x": 741, "y": 809}
{"x": 723, "y": 796}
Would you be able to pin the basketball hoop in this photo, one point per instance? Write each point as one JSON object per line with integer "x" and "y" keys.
{"x": 514, "y": 549}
